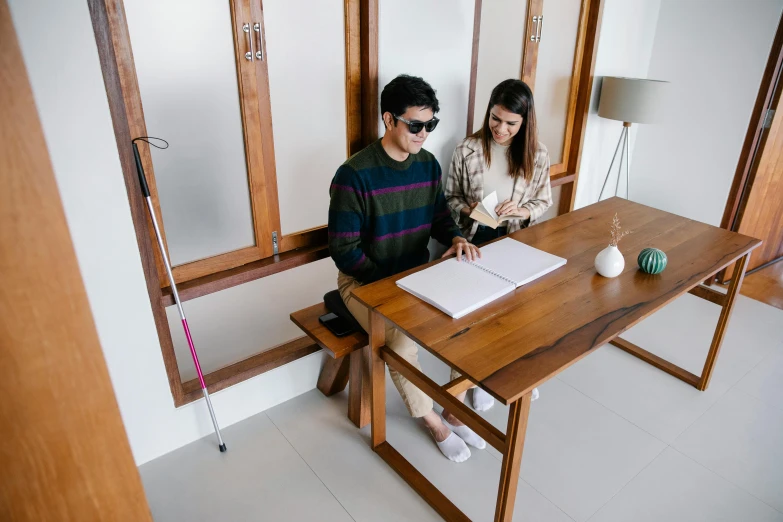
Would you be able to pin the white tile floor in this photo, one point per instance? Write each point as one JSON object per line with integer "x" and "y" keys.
{"x": 611, "y": 439}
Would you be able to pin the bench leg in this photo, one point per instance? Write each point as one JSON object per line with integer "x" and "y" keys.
{"x": 334, "y": 376}
{"x": 359, "y": 389}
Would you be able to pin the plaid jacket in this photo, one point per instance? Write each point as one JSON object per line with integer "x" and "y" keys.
{"x": 465, "y": 185}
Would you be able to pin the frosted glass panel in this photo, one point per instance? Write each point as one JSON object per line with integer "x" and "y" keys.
{"x": 184, "y": 56}
{"x": 438, "y": 50}
{"x": 306, "y": 60}
{"x": 553, "y": 72}
{"x": 500, "y": 49}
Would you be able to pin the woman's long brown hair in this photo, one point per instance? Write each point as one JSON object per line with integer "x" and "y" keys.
{"x": 514, "y": 96}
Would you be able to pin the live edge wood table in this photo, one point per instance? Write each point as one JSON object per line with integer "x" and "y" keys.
{"x": 527, "y": 337}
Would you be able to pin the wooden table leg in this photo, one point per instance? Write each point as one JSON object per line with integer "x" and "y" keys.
{"x": 359, "y": 388}
{"x": 377, "y": 335}
{"x": 723, "y": 321}
{"x": 334, "y": 376}
{"x": 512, "y": 458}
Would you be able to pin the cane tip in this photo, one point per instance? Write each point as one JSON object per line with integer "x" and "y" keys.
{"x": 222, "y": 448}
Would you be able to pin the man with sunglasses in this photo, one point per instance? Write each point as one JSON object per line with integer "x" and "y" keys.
{"x": 386, "y": 202}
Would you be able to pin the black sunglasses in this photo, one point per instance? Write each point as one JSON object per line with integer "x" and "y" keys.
{"x": 415, "y": 126}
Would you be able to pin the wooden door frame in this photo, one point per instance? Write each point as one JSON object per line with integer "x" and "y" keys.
{"x": 755, "y": 138}
{"x": 66, "y": 454}
{"x": 580, "y": 91}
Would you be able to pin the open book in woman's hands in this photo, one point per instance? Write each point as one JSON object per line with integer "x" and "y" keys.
{"x": 485, "y": 213}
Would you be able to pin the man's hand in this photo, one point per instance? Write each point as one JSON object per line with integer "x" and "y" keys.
{"x": 509, "y": 208}
{"x": 459, "y": 246}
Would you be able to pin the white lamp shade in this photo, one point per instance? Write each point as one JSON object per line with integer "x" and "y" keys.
{"x": 632, "y": 100}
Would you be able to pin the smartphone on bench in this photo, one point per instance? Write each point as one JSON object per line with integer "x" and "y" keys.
{"x": 336, "y": 324}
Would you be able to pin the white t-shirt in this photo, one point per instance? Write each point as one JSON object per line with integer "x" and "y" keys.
{"x": 496, "y": 178}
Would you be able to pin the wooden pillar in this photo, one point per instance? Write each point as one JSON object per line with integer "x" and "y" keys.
{"x": 65, "y": 455}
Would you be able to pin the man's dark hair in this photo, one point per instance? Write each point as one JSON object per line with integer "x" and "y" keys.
{"x": 407, "y": 91}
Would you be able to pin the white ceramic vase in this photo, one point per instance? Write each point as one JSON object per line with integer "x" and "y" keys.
{"x": 610, "y": 262}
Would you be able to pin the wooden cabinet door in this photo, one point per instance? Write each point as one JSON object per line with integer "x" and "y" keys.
{"x": 202, "y": 84}
{"x": 550, "y": 67}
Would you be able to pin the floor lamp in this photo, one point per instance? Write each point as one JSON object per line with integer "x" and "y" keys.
{"x": 629, "y": 100}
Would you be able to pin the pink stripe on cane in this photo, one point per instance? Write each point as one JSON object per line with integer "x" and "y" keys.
{"x": 193, "y": 353}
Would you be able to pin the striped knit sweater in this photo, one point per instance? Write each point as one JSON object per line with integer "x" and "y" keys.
{"x": 383, "y": 212}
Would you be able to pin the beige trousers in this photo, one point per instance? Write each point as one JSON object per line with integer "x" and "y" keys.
{"x": 417, "y": 402}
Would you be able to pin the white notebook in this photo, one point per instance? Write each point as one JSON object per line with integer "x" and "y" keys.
{"x": 458, "y": 288}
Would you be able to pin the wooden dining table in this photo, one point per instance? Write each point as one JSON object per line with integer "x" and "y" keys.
{"x": 525, "y": 338}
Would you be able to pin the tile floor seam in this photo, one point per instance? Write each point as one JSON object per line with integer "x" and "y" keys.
{"x": 772, "y": 351}
{"x": 771, "y": 354}
{"x": 594, "y": 513}
{"x": 730, "y": 388}
{"x": 309, "y": 467}
{"x": 542, "y": 495}
{"x": 694, "y": 421}
{"x": 724, "y": 478}
{"x": 616, "y": 413}
{"x": 629, "y": 480}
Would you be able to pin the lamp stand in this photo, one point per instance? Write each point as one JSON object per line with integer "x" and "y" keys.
{"x": 625, "y": 152}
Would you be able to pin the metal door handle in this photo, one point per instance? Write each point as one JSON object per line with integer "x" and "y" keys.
{"x": 260, "y": 51}
{"x": 535, "y": 29}
{"x": 540, "y": 27}
{"x": 249, "y": 53}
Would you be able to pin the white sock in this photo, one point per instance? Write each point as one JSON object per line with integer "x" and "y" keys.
{"x": 482, "y": 401}
{"x": 468, "y": 435}
{"x": 454, "y": 448}
{"x": 534, "y": 394}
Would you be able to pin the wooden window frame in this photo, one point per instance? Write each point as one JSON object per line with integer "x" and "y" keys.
{"x": 566, "y": 173}
{"x": 226, "y": 270}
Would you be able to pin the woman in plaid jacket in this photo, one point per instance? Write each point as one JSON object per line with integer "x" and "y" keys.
{"x": 503, "y": 156}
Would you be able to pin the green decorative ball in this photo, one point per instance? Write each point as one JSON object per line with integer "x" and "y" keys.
{"x": 652, "y": 260}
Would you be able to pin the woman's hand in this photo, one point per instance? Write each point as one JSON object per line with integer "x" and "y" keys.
{"x": 459, "y": 246}
{"x": 465, "y": 211}
{"x": 510, "y": 208}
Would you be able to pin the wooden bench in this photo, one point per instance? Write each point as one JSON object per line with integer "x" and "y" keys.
{"x": 348, "y": 362}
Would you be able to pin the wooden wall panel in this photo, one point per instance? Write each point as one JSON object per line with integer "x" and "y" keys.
{"x": 65, "y": 455}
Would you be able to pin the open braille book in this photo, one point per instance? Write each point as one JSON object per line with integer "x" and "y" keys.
{"x": 460, "y": 287}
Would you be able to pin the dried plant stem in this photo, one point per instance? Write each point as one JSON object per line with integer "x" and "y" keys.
{"x": 615, "y": 231}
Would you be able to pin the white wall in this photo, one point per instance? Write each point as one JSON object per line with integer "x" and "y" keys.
{"x": 624, "y": 49}
{"x": 714, "y": 53}
{"x": 714, "y": 63}
{"x": 69, "y": 92}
